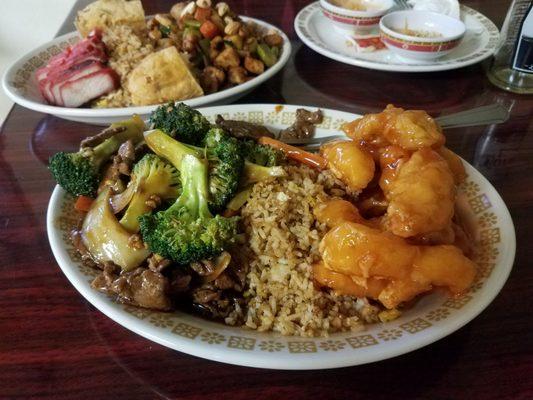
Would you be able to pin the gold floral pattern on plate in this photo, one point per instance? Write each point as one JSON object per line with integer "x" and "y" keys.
{"x": 212, "y": 338}
{"x": 256, "y": 117}
{"x": 242, "y": 343}
{"x": 308, "y": 346}
{"x": 332, "y": 345}
{"x": 490, "y": 236}
{"x": 390, "y": 334}
{"x": 186, "y": 330}
{"x": 273, "y": 118}
{"x": 487, "y": 220}
{"x": 457, "y": 303}
{"x": 415, "y": 325}
{"x": 271, "y": 346}
{"x": 161, "y": 320}
{"x": 362, "y": 341}
{"x": 438, "y": 314}
{"x": 479, "y": 203}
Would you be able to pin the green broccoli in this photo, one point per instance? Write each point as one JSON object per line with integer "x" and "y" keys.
{"x": 180, "y": 122}
{"x": 187, "y": 231}
{"x": 225, "y": 161}
{"x": 79, "y": 173}
{"x": 152, "y": 179}
{"x": 225, "y": 167}
{"x": 260, "y": 154}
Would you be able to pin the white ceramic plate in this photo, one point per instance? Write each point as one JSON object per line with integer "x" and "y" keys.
{"x": 316, "y": 31}
{"x": 432, "y": 318}
{"x": 20, "y": 84}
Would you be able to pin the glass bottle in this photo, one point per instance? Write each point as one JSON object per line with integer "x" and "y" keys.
{"x": 512, "y": 67}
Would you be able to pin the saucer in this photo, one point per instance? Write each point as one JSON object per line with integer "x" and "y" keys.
{"x": 314, "y": 29}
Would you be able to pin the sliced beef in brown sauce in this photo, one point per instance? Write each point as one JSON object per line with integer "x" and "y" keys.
{"x": 243, "y": 129}
{"x": 141, "y": 287}
{"x": 304, "y": 125}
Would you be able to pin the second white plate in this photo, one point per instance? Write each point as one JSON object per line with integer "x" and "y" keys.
{"x": 315, "y": 30}
{"x": 21, "y": 86}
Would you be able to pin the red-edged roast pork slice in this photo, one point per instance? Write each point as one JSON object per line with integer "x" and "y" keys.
{"x": 78, "y": 71}
{"x": 76, "y": 92}
{"x": 78, "y": 74}
{"x": 90, "y": 48}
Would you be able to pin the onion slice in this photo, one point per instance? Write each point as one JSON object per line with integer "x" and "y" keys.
{"x": 221, "y": 263}
{"x": 119, "y": 201}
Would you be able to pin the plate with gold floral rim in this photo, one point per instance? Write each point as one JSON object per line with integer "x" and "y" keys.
{"x": 20, "y": 84}
{"x": 315, "y": 30}
{"x": 433, "y": 317}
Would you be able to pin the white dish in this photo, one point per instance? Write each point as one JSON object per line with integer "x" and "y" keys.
{"x": 451, "y": 32}
{"x": 480, "y": 41}
{"x": 432, "y": 318}
{"x": 20, "y": 84}
{"x": 352, "y": 21}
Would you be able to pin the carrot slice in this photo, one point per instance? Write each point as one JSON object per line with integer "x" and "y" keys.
{"x": 294, "y": 153}
{"x": 83, "y": 203}
{"x": 209, "y": 29}
{"x": 202, "y": 13}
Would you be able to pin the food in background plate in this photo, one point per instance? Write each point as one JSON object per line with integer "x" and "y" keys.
{"x": 355, "y": 5}
{"x": 214, "y": 49}
{"x": 418, "y": 32}
{"x": 104, "y": 14}
{"x": 78, "y": 74}
{"x": 160, "y": 77}
{"x": 254, "y": 232}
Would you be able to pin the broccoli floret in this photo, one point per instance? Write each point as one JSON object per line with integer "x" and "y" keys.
{"x": 225, "y": 167}
{"x": 260, "y": 154}
{"x": 180, "y": 122}
{"x": 187, "y": 231}
{"x": 79, "y": 173}
{"x": 152, "y": 179}
{"x": 225, "y": 161}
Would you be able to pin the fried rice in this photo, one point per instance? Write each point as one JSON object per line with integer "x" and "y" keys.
{"x": 127, "y": 47}
{"x": 284, "y": 237}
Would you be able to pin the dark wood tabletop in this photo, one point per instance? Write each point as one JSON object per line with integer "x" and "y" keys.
{"x": 53, "y": 344}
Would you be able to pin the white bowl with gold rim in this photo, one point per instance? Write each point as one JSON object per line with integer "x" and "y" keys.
{"x": 420, "y": 35}
{"x": 349, "y": 21}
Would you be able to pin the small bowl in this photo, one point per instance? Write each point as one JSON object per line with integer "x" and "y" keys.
{"x": 348, "y": 21}
{"x": 420, "y": 48}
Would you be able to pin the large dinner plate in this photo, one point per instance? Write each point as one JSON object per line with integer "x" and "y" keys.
{"x": 20, "y": 84}
{"x": 431, "y": 318}
{"x": 315, "y": 30}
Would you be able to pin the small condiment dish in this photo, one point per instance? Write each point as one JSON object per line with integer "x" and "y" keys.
{"x": 438, "y": 34}
{"x": 348, "y": 21}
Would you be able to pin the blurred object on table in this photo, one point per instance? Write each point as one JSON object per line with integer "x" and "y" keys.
{"x": 512, "y": 68}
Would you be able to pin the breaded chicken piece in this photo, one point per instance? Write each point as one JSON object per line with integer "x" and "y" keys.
{"x": 421, "y": 196}
{"x": 386, "y": 267}
{"x": 336, "y": 211}
{"x": 411, "y": 129}
{"x": 351, "y": 163}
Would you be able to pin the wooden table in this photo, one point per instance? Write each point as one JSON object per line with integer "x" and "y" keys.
{"x": 53, "y": 344}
